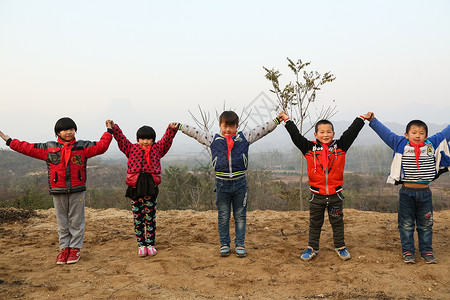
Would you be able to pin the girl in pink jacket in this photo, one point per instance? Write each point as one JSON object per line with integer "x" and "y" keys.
{"x": 143, "y": 178}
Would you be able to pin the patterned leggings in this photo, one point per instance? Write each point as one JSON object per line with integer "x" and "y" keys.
{"x": 144, "y": 212}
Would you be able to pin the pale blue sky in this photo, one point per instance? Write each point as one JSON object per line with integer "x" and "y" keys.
{"x": 149, "y": 62}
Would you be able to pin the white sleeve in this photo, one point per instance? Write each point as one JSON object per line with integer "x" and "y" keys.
{"x": 260, "y": 131}
{"x": 202, "y": 136}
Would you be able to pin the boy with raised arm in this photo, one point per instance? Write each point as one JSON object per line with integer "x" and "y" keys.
{"x": 66, "y": 161}
{"x": 325, "y": 159}
{"x": 229, "y": 150}
{"x": 418, "y": 160}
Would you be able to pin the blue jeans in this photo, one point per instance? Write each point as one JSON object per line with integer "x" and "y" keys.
{"x": 231, "y": 192}
{"x": 415, "y": 208}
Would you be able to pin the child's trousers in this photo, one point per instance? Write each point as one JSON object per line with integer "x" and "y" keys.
{"x": 415, "y": 209}
{"x": 144, "y": 214}
{"x": 333, "y": 204}
{"x": 69, "y": 210}
{"x": 232, "y": 193}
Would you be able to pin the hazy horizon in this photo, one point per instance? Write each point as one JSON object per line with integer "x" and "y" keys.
{"x": 144, "y": 62}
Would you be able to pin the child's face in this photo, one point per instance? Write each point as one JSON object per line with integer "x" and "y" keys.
{"x": 145, "y": 143}
{"x": 416, "y": 134}
{"x": 67, "y": 135}
{"x": 324, "y": 134}
{"x": 228, "y": 129}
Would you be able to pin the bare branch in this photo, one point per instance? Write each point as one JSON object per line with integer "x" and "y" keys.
{"x": 205, "y": 123}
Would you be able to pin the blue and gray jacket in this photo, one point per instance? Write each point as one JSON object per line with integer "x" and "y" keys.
{"x": 235, "y": 165}
{"x": 439, "y": 143}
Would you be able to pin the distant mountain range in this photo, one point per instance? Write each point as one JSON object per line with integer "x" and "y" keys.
{"x": 280, "y": 139}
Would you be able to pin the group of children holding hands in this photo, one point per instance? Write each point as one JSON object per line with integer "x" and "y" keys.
{"x": 418, "y": 160}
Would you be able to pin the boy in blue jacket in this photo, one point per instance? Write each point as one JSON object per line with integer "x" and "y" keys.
{"x": 229, "y": 151}
{"x": 418, "y": 160}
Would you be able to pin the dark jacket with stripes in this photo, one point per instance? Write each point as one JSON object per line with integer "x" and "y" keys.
{"x": 237, "y": 163}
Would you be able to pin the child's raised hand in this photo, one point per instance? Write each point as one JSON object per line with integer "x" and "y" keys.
{"x": 110, "y": 124}
{"x": 283, "y": 116}
{"x": 369, "y": 116}
{"x": 4, "y": 136}
{"x": 173, "y": 125}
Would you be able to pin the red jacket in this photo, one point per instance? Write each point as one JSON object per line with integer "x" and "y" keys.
{"x": 330, "y": 181}
{"x": 135, "y": 154}
{"x": 63, "y": 178}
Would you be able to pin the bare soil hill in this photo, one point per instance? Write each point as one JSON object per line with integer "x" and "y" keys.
{"x": 187, "y": 265}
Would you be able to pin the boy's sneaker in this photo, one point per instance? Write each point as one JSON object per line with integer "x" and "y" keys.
{"x": 309, "y": 254}
{"x": 61, "y": 259}
{"x": 343, "y": 253}
{"x": 240, "y": 251}
{"x": 408, "y": 258}
{"x": 74, "y": 255}
{"x": 224, "y": 250}
{"x": 151, "y": 250}
{"x": 142, "y": 251}
{"x": 429, "y": 258}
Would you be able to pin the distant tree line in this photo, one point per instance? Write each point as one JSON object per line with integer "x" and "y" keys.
{"x": 360, "y": 159}
{"x": 272, "y": 183}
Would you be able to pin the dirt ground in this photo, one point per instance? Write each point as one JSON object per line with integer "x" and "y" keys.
{"x": 187, "y": 265}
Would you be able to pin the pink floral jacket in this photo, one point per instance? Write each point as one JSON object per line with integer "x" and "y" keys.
{"x": 136, "y": 155}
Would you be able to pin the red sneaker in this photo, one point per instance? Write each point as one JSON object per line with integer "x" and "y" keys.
{"x": 61, "y": 259}
{"x": 74, "y": 256}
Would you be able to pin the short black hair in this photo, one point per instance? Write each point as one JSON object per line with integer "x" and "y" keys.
{"x": 323, "y": 122}
{"x": 418, "y": 123}
{"x": 146, "y": 132}
{"x": 65, "y": 124}
{"x": 229, "y": 117}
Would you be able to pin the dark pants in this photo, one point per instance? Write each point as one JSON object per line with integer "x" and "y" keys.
{"x": 317, "y": 205}
{"x": 144, "y": 215}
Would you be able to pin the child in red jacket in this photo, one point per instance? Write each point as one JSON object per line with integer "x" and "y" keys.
{"x": 66, "y": 160}
{"x": 143, "y": 178}
{"x": 325, "y": 159}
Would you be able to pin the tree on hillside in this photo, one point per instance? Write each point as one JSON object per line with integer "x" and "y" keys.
{"x": 298, "y": 98}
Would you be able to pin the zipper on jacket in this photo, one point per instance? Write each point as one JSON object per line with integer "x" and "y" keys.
{"x": 326, "y": 176}
{"x": 229, "y": 165}
{"x": 56, "y": 177}
{"x": 79, "y": 175}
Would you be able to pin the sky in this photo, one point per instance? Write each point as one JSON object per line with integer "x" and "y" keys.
{"x": 153, "y": 62}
